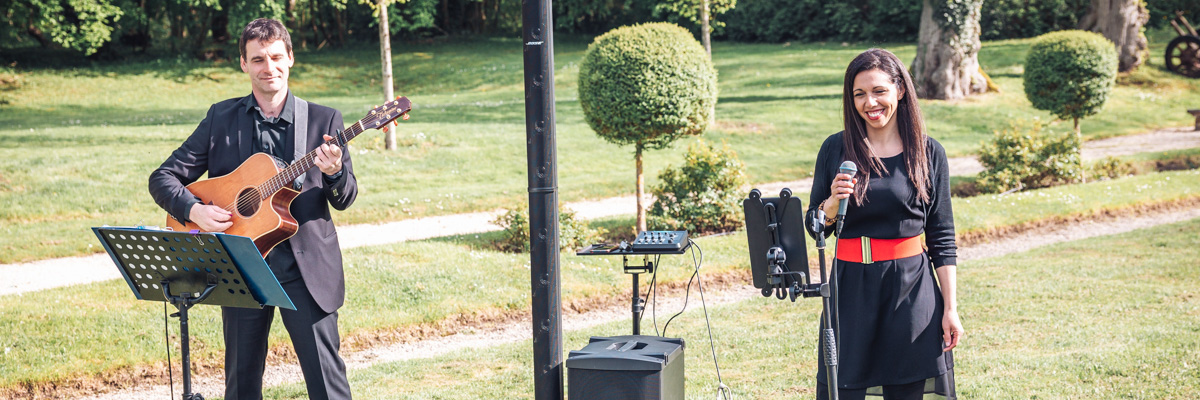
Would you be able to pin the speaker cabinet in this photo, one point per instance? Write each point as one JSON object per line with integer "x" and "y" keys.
{"x": 627, "y": 368}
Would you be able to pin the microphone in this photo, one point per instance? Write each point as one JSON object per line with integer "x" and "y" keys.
{"x": 847, "y": 167}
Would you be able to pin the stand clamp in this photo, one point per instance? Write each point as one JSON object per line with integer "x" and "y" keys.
{"x": 639, "y": 304}
{"x": 183, "y": 302}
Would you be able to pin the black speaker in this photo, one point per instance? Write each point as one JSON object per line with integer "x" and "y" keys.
{"x": 626, "y": 368}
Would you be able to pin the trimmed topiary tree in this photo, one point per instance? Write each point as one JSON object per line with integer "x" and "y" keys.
{"x": 1070, "y": 74}
{"x": 646, "y": 85}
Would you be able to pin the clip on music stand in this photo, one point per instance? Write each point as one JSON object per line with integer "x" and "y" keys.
{"x": 186, "y": 269}
{"x": 647, "y": 266}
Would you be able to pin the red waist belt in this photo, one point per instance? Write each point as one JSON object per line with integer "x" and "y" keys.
{"x": 866, "y": 250}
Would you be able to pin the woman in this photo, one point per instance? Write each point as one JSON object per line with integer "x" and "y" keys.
{"x": 897, "y": 323}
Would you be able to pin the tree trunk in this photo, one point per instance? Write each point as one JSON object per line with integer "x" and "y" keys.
{"x": 446, "y": 15}
{"x": 385, "y": 52}
{"x": 704, "y": 30}
{"x": 198, "y": 30}
{"x": 37, "y": 34}
{"x": 704, "y": 37}
{"x": 1120, "y": 21}
{"x": 339, "y": 24}
{"x": 291, "y": 16}
{"x": 641, "y": 181}
{"x": 219, "y": 24}
{"x": 947, "y": 63}
{"x": 1079, "y": 139}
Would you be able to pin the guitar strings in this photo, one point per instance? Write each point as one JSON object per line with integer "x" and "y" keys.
{"x": 276, "y": 182}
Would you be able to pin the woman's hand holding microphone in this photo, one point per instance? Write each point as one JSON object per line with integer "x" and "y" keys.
{"x": 842, "y": 188}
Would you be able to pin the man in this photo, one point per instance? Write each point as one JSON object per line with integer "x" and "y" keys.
{"x": 309, "y": 265}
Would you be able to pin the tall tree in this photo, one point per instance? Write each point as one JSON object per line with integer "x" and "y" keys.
{"x": 385, "y": 52}
{"x": 947, "y": 63}
{"x": 702, "y": 12}
{"x": 1120, "y": 21}
{"x": 385, "y": 56}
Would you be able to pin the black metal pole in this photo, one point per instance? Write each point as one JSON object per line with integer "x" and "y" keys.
{"x": 543, "y": 199}
{"x": 185, "y": 351}
{"x": 828, "y": 290}
{"x": 637, "y": 307}
{"x": 828, "y": 338}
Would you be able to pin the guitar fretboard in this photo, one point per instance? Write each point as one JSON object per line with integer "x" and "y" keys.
{"x": 298, "y": 167}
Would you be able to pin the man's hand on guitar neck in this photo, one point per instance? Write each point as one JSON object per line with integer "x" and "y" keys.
{"x": 329, "y": 157}
{"x": 210, "y": 218}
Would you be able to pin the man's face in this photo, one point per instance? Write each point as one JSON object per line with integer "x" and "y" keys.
{"x": 267, "y": 63}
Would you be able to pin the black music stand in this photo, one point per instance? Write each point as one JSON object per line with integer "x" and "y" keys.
{"x": 646, "y": 267}
{"x": 189, "y": 268}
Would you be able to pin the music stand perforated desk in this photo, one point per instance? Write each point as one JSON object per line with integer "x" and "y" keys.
{"x": 186, "y": 268}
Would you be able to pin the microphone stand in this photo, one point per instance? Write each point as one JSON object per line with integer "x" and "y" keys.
{"x": 828, "y": 300}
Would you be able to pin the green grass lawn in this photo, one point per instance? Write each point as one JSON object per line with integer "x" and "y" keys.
{"x": 77, "y": 144}
{"x": 95, "y": 329}
{"x": 1107, "y": 317}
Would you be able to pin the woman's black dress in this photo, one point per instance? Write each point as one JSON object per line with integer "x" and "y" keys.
{"x": 890, "y": 332}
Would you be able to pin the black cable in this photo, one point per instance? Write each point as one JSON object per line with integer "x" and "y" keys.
{"x": 654, "y": 304}
{"x": 686, "y": 294}
{"x": 167, "y": 340}
{"x": 721, "y": 388}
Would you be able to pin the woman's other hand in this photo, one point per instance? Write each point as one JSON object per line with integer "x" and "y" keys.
{"x": 952, "y": 330}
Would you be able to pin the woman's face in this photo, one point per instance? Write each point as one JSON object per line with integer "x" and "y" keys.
{"x": 876, "y": 99}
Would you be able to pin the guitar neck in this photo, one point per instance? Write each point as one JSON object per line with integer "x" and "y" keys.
{"x": 299, "y": 167}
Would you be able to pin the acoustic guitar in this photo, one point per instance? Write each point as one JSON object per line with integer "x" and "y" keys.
{"x": 258, "y": 194}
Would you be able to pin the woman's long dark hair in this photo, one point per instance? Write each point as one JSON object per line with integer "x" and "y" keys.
{"x": 908, "y": 115}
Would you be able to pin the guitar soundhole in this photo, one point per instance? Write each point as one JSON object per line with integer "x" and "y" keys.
{"x": 248, "y": 202}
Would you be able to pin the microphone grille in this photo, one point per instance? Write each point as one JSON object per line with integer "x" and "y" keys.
{"x": 848, "y": 167}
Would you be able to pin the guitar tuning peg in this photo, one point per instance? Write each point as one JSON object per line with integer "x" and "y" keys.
{"x": 405, "y": 118}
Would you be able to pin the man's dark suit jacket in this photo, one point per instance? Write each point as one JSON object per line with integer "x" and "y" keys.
{"x": 222, "y": 142}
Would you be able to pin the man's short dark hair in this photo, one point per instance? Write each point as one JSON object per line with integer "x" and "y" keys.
{"x": 265, "y": 30}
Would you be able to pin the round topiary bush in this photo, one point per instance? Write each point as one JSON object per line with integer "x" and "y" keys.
{"x": 647, "y": 85}
{"x": 1070, "y": 73}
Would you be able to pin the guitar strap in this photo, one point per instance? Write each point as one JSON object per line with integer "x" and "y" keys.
{"x": 301, "y": 143}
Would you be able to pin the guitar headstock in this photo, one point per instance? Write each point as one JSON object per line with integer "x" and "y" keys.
{"x": 386, "y": 113}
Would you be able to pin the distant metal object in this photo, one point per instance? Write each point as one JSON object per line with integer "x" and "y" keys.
{"x": 1183, "y": 53}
